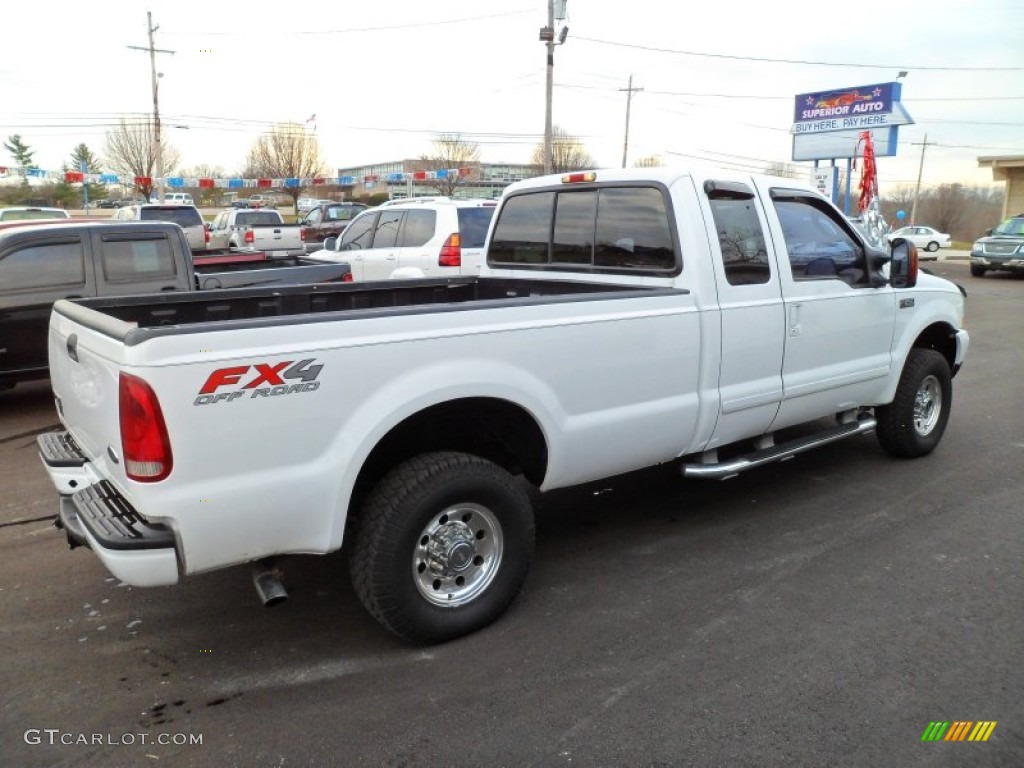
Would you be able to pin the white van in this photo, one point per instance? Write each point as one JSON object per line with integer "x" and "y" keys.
{"x": 173, "y": 198}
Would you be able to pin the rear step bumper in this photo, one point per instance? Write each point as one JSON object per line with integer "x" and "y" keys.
{"x": 98, "y": 516}
{"x": 780, "y": 452}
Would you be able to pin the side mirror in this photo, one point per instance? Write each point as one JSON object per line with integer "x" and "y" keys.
{"x": 207, "y": 225}
{"x": 331, "y": 244}
{"x": 903, "y": 265}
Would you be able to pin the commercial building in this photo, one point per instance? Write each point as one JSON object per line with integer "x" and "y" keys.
{"x": 410, "y": 178}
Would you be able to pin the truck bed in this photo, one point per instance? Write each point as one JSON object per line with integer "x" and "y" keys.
{"x": 143, "y": 317}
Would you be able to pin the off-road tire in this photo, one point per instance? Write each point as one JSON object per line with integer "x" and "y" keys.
{"x": 390, "y": 535}
{"x": 977, "y": 271}
{"x": 910, "y": 426}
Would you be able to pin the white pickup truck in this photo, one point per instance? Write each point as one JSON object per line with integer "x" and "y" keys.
{"x": 624, "y": 318}
{"x": 262, "y": 229}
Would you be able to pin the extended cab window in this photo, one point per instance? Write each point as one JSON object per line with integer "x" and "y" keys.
{"x": 138, "y": 259}
{"x": 47, "y": 265}
{"x": 817, "y": 244}
{"x": 598, "y": 229}
{"x": 740, "y": 235}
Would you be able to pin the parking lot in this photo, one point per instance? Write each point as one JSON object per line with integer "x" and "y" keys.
{"x": 821, "y": 611}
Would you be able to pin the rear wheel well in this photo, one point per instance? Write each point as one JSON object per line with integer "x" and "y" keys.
{"x": 493, "y": 429}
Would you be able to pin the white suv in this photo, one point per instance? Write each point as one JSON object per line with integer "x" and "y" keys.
{"x": 436, "y": 237}
{"x": 185, "y": 216}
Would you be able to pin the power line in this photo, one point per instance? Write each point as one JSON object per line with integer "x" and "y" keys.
{"x": 789, "y": 97}
{"x": 767, "y": 60}
{"x": 411, "y": 25}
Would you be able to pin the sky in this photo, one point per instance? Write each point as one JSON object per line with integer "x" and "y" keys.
{"x": 383, "y": 79}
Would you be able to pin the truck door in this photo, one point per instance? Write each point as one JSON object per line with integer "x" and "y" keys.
{"x": 839, "y": 323}
{"x": 355, "y": 243}
{"x": 34, "y": 273}
{"x": 219, "y": 232}
{"x": 128, "y": 263}
{"x": 382, "y": 257}
{"x": 751, "y": 312}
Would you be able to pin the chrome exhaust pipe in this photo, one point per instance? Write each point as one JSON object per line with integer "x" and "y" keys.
{"x": 266, "y": 577}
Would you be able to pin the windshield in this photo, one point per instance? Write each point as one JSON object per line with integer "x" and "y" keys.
{"x": 1014, "y": 226}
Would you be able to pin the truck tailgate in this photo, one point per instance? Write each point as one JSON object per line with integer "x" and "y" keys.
{"x": 283, "y": 239}
{"x": 84, "y": 374}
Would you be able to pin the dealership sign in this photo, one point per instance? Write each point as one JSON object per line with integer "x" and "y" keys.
{"x": 828, "y": 124}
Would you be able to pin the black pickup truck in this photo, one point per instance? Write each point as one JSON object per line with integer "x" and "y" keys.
{"x": 43, "y": 262}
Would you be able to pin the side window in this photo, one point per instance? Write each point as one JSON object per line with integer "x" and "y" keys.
{"x": 817, "y": 245}
{"x": 386, "y": 233}
{"x": 740, "y": 236}
{"x": 418, "y": 229}
{"x": 47, "y": 265}
{"x": 358, "y": 234}
{"x": 523, "y": 230}
{"x": 314, "y": 217}
{"x": 143, "y": 259}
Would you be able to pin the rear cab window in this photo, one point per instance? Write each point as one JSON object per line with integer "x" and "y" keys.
{"x": 183, "y": 216}
{"x": 614, "y": 228}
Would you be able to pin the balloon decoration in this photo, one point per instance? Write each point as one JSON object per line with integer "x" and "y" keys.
{"x": 870, "y": 211}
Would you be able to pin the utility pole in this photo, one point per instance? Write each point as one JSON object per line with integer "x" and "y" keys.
{"x": 549, "y": 33}
{"x": 630, "y": 90}
{"x": 547, "y": 36}
{"x": 917, "y": 190}
{"x": 157, "y": 148}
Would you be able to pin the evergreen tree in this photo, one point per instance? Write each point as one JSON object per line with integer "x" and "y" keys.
{"x": 21, "y": 153}
{"x": 83, "y": 156}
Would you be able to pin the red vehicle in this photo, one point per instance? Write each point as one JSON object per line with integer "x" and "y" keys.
{"x": 328, "y": 220}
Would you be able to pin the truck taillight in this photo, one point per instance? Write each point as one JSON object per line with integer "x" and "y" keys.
{"x": 206, "y": 236}
{"x": 347, "y": 278}
{"x": 145, "y": 444}
{"x": 302, "y": 234}
{"x": 249, "y": 236}
{"x": 451, "y": 252}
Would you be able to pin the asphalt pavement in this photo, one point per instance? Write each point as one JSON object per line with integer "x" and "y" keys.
{"x": 819, "y": 612}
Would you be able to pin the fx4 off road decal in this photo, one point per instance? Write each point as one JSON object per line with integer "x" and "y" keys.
{"x": 259, "y": 380}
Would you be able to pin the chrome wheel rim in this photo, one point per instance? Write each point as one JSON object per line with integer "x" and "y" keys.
{"x": 927, "y": 406}
{"x": 457, "y": 555}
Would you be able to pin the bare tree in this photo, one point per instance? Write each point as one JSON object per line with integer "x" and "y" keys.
{"x": 567, "y": 153}
{"x": 129, "y": 152}
{"x": 650, "y": 161}
{"x": 288, "y": 151}
{"x": 451, "y": 151}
